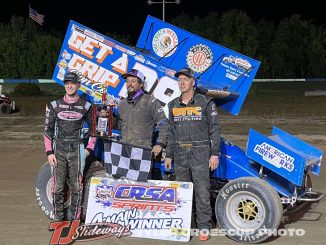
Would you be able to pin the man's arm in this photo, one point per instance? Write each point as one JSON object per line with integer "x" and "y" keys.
{"x": 213, "y": 128}
{"x": 161, "y": 121}
{"x": 89, "y": 119}
{"x": 171, "y": 145}
{"x": 214, "y": 134}
{"x": 49, "y": 129}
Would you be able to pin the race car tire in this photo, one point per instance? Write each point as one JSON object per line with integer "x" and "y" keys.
{"x": 4, "y": 109}
{"x": 248, "y": 209}
{"x": 43, "y": 191}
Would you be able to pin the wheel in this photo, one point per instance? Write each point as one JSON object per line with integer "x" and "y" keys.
{"x": 246, "y": 207}
{"x": 4, "y": 109}
{"x": 43, "y": 191}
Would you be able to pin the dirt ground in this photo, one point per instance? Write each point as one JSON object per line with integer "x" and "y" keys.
{"x": 22, "y": 154}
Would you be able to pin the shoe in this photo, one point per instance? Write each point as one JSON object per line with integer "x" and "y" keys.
{"x": 204, "y": 237}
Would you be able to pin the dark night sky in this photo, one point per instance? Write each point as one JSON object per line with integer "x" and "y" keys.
{"x": 128, "y": 16}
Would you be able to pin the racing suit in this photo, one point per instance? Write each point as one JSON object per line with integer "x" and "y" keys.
{"x": 138, "y": 119}
{"x": 194, "y": 136}
{"x": 64, "y": 138}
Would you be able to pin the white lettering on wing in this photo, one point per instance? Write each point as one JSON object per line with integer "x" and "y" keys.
{"x": 274, "y": 156}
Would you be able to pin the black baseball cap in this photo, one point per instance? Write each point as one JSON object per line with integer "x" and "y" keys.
{"x": 185, "y": 71}
{"x": 71, "y": 77}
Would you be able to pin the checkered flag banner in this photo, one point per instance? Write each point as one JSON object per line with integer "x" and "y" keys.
{"x": 126, "y": 160}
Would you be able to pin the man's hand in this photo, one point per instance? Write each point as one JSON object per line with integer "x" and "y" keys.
{"x": 87, "y": 153}
{"x": 157, "y": 149}
{"x": 213, "y": 162}
{"x": 168, "y": 163}
{"x": 52, "y": 160}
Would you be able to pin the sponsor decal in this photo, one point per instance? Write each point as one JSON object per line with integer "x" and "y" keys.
{"x": 231, "y": 76}
{"x": 69, "y": 115}
{"x": 187, "y": 113}
{"x": 64, "y": 106}
{"x": 122, "y": 49}
{"x": 136, "y": 196}
{"x": 67, "y": 232}
{"x": 103, "y": 194}
{"x": 62, "y": 64}
{"x": 61, "y": 74}
{"x": 164, "y": 41}
{"x": 66, "y": 55}
{"x": 140, "y": 58}
{"x": 214, "y": 111}
{"x": 199, "y": 58}
{"x": 239, "y": 62}
{"x": 109, "y": 43}
{"x": 161, "y": 110}
{"x": 132, "y": 53}
{"x": 150, "y": 63}
{"x": 275, "y": 156}
{"x": 94, "y": 35}
{"x": 170, "y": 72}
{"x": 236, "y": 67}
{"x": 78, "y": 28}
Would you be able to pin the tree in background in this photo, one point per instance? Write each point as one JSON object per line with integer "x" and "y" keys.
{"x": 294, "y": 48}
{"x": 265, "y": 36}
{"x": 290, "y": 49}
{"x": 27, "y": 51}
{"x": 317, "y": 53}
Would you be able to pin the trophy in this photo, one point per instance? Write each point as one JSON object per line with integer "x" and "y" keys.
{"x": 103, "y": 121}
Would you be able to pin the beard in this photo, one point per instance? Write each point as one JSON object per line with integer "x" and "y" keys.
{"x": 131, "y": 94}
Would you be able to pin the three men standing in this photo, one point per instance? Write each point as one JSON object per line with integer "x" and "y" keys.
{"x": 193, "y": 137}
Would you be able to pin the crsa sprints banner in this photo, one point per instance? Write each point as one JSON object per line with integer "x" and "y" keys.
{"x": 154, "y": 209}
{"x": 100, "y": 61}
